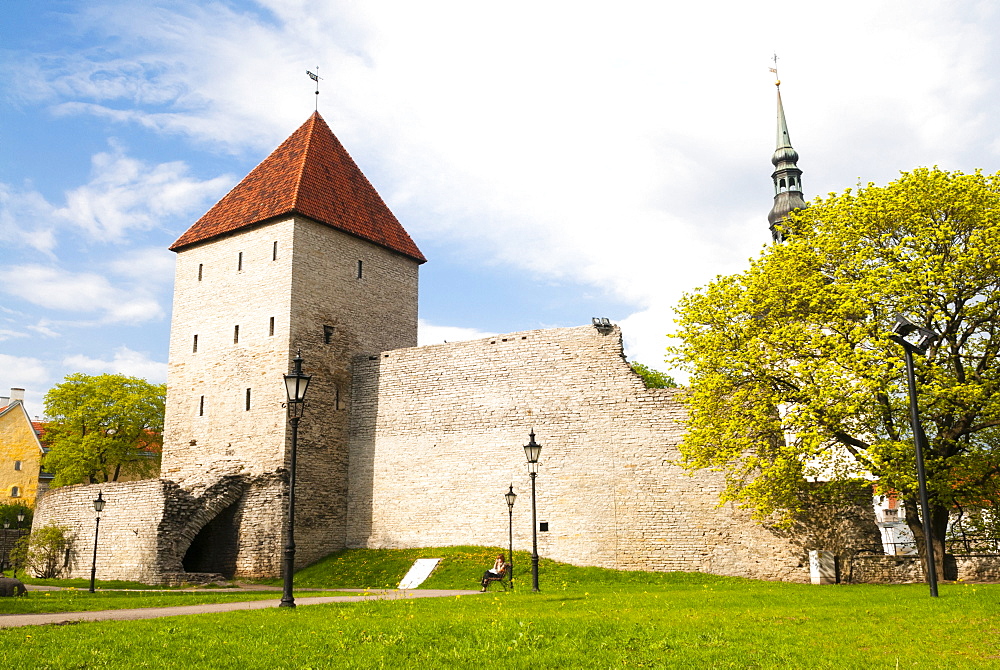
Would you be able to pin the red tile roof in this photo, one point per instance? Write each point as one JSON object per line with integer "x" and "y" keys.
{"x": 310, "y": 174}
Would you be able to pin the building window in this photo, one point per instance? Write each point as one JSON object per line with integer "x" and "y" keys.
{"x": 239, "y": 262}
{"x": 194, "y": 345}
{"x": 17, "y": 465}
{"x": 201, "y": 406}
{"x": 236, "y": 334}
{"x": 336, "y": 397}
{"x": 270, "y": 328}
{"x": 360, "y": 269}
{"x": 201, "y": 266}
{"x": 15, "y": 492}
{"x": 248, "y": 400}
{"x": 274, "y": 251}
{"x": 327, "y": 334}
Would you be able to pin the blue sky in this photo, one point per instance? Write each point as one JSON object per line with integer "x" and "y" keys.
{"x": 554, "y": 160}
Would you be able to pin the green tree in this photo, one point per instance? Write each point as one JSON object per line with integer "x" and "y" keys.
{"x": 43, "y": 552}
{"x": 102, "y": 426}
{"x": 9, "y": 512}
{"x": 792, "y": 372}
{"x": 654, "y": 379}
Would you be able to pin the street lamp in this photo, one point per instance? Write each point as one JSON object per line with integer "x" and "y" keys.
{"x": 901, "y": 329}
{"x": 6, "y": 551}
{"x": 532, "y": 450}
{"x": 98, "y": 506}
{"x": 296, "y": 384}
{"x": 511, "y": 497}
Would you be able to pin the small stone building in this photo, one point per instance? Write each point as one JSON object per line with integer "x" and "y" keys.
{"x": 400, "y": 446}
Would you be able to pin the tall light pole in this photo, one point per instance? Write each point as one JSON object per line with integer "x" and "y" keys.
{"x": 296, "y": 384}
{"x": 511, "y": 497}
{"x": 6, "y": 551}
{"x": 98, "y": 507}
{"x": 532, "y": 451}
{"x": 901, "y": 329}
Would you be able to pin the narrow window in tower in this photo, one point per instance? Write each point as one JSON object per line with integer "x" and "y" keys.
{"x": 360, "y": 270}
{"x": 17, "y": 465}
{"x": 327, "y": 334}
{"x": 201, "y": 406}
{"x": 336, "y": 397}
{"x": 781, "y": 184}
{"x": 201, "y": 266}
{"x": 248, "y": 400}
{"x": 270, "y": 328}
{"x": 194, "y": 346}
{"x": 236, "y": 334}
{"x": 239, "y": 262}
{"x": 15, "y": 492}
{"x": 274, "y": 251}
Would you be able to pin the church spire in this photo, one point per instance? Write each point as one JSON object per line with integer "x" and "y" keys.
{"x": 787, "y": 176}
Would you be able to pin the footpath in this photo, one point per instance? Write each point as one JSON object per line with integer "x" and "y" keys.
{"x": 351, "y": 595}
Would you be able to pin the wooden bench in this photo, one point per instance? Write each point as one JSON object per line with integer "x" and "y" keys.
{"x": 497, "y": 578}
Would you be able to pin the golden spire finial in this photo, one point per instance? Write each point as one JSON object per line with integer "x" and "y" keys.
{"x": 777, "y": 81}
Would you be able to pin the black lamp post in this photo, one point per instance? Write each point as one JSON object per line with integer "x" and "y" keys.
{"x": 532, "y": 451}
{"x": 511, "y": 497}
{"x": 98, "y": 506}
{"x": 6, "y": 551}
{"x": 296, "y": 384}
{"x": 901, "y": 329}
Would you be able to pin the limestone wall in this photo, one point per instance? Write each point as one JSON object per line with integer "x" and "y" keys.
{"x": 128, "y": 540}
{"x": 880, "y": 569}
{"x": 437, "y": 435}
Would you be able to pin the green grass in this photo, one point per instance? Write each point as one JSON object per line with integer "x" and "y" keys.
{"x": 583, "y": 618}
{"x": 461, "y": 568}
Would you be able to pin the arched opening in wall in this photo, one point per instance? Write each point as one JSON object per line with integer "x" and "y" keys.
{"x": 215, "y": 547}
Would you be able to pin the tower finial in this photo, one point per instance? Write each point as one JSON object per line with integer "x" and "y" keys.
{"x": 777, "y": 79}
{"x": 787, "y": 176}
{"x": 315, "y": 77}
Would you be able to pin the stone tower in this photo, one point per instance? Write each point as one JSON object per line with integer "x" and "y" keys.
{"x": 787, "y": 176}
{"x": 302, "y": 254}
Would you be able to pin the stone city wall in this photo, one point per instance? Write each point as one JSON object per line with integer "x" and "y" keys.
{"x": 127, "y": 543}
{"x": 880, "y": 569}
{"x": 437, "y": 435}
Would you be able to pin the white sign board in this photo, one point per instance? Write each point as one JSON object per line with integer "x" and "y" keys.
{"x": 421, "y": 570}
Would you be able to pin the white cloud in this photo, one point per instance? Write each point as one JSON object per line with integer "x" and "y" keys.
{"x": 152, "y": 265}
{"x": 21, "y": 372}
{"x": 125, "y": 362}
{"x": 6, "y": 334}
{"x": 58, "y": 289}
{"x": 431, "y": 334}
{"x": 617, "y": 147}
{"x": 125, "y": 193}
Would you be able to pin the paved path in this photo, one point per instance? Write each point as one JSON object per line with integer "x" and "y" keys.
{"x": 13, "y": 620}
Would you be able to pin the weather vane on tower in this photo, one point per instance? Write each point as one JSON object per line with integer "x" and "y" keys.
{"x": 777, "y": 81}
{"x": 315, "y": 77}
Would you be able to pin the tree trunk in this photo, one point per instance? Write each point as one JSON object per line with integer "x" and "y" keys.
{"x": 939, "y": 527}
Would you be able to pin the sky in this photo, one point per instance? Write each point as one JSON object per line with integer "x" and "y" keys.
{"x": 554, "y": 161}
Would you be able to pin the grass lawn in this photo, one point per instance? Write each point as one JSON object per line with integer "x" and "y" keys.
{"x": 584, "y": 617}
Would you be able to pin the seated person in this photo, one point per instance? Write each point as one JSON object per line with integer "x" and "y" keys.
{"x": 494, "y": 573}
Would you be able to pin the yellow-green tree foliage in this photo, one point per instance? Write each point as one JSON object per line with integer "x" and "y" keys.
{"x": 101, "y": 426}
{"x": 653, "y": 379}
{"x": 792, "y": 371}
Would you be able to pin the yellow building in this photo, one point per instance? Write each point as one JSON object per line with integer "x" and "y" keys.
{"x": 21, "y": 476}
